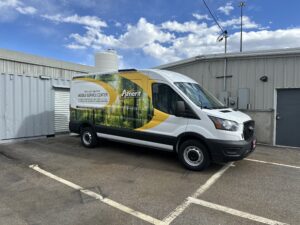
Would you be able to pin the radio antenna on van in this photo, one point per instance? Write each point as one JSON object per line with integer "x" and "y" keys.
{"x": 224, "y": 33}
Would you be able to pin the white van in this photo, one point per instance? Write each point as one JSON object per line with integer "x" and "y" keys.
{"x": 159, "y": 109}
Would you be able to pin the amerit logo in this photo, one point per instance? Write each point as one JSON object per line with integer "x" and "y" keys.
{"x": 130, "y": 94}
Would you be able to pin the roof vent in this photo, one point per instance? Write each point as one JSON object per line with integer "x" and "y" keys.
{"x": 127, "y": 70}
{"x": 225, "y": 111}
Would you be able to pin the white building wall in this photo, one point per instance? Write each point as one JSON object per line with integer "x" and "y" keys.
{"x": 282, "y": 72}
{"x": 282, "y": 67}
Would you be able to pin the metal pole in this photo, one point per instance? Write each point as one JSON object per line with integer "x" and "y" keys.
{"x": 225, "y": 33}
{"x": 242, "y": 4}
{"x": 225, "y": 74}
{"x": 225, "y": 61}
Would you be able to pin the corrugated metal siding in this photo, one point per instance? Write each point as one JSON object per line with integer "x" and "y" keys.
{"x": 62, "y": 110}
{"x": 26, "y": 107}
{"x": 26, "y": 101}
{"x": 283, "y": 72}
{"x": 18, "y": 68}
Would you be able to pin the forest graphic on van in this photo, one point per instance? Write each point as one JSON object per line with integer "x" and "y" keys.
{"x": 132, "y": 107}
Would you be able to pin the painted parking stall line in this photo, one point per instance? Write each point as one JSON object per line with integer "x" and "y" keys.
{"x": 179, "y": 209}
{"x": 92, "y": 194}
{"x": 235, "y": 212}
{"x": 273, "y": 163}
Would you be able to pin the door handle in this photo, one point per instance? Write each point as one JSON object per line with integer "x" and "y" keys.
{"x": 278, "y": 117}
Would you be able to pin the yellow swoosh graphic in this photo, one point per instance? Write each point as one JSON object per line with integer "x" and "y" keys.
{"x": 157, "y": 119}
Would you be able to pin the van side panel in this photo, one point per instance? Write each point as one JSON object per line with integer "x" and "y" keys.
{"x": 113, "y": 100}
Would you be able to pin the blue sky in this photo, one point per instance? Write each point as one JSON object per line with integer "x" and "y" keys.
{"x": 144, "y": 33}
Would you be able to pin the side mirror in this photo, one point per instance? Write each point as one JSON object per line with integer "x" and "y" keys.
{"x": 180, "y": 108}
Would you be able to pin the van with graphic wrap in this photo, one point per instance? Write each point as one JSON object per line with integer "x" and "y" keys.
{"x": 159, "y": 109}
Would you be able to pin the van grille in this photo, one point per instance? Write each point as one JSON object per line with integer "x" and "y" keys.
{"x": 249, "y": 129}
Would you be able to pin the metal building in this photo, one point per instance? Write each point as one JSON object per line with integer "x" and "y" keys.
{"x": 264, "y": 84}
{"x": 34, "y": 94}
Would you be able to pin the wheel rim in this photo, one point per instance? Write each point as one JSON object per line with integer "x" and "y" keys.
{"x": 87, "y": 138}
{"x": 193, "y": 155}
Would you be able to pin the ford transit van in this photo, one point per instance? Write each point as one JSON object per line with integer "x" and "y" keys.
{"x": 159, "y": 109}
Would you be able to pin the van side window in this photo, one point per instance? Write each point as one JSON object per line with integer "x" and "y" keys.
{"x": 164, "y": 98}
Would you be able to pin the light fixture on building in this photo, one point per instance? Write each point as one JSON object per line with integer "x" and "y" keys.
{"x": 199, "y": 57}
{"x": 43, "y": 77}
{"x": 264, "y": 78}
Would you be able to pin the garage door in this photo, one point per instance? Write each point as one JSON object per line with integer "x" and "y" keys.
{"x": 287, "y": 118}
{"x": 62, "y": 111}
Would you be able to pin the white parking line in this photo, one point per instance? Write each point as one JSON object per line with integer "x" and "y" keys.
{"x": 235, "y": 212}
{"x": 179, "y": 209}
{"x": 107, "y": 201}
{"x": 273, "y": 163}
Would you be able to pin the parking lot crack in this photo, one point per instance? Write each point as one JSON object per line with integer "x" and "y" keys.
{"x": 7, "y": 156}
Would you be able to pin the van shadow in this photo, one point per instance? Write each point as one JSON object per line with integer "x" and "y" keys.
{"x": 111, "y": 152}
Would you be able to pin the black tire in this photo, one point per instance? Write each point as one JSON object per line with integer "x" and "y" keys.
{"x": 194, "y": 155}
{"x": 88, "y": 137}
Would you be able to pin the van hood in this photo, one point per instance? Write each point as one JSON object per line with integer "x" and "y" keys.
{"x": 228, "y": 114}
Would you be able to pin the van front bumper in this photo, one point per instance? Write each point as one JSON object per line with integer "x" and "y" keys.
{"x": 224, "y": 151}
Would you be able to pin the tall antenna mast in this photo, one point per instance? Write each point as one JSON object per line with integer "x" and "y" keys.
{"x": 242, "y": 4}
{"x": 224, "y": 33}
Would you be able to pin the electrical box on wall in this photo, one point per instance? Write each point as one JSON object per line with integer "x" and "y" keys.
{"x": 243, "y": 98}
{"x": 232, "y": 102}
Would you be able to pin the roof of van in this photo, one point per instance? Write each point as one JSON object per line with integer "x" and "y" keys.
{"x": 155, "y": 74}
{"x": 166, "y": 75}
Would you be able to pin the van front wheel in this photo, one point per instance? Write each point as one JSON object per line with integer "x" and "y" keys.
{"x": 89, "y": 137}
{"x": 193, "y": 155}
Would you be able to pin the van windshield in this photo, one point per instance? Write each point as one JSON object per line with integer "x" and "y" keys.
{"x": 199, "y": 95}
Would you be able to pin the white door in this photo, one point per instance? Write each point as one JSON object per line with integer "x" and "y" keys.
{"x": 61, "y": 111}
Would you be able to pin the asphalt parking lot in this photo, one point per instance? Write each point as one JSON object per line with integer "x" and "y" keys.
{"x": 57, "y": 181}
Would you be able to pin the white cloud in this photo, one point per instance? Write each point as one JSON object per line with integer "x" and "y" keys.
{"x": 9, "y": 3}
{"x": 190, "y": 26}
{"x": 93, "y": 38}
{"x": 226, "y": 9}
{"x": 160, "y": 52}
{"x": 201, "y": 16}
{"x": 118, "y": 24}
{"x": 9, "y": 9}
{"x": 91, "y": 21}
{"x": 236, "y": 22}
{"x": 142, "y": 34}
{"x": 75, "y": 46}
{"x": 137, "y": 36}
{"x": 172, "y": 40}
{"x": 28, "y": 10}
{"x": 266, "y": 39}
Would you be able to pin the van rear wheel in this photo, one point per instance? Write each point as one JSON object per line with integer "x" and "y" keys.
{"x": 89, "y": 137}
{"x": 193, "y": 155}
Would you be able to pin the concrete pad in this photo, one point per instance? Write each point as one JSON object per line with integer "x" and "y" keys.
{"x": 150, "y": 181}
{"x": 199, "y": 215}
{"x": 290, "y": 156}
{"x": 263, "y": 190}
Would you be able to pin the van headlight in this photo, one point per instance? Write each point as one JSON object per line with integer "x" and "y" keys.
{"x": 223, "y": 124}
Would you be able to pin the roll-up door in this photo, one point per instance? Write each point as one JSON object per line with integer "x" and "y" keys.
{"x": 62, "y": 111}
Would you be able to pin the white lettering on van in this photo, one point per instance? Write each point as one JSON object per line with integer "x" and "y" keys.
{"x": 130, "y": 94}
